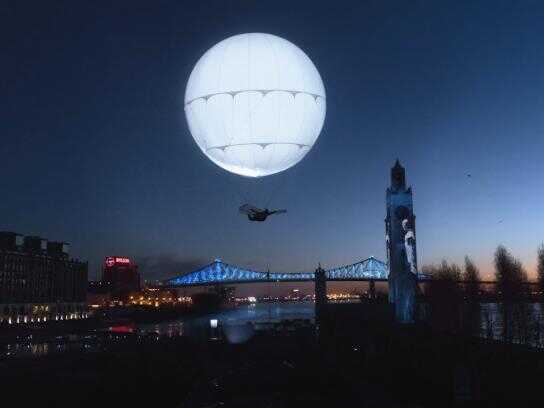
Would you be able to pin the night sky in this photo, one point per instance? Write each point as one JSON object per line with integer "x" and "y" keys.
{"x": 95, "y": 149}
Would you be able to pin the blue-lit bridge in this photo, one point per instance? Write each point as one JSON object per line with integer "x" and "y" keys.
{"x": 218, "y": 272}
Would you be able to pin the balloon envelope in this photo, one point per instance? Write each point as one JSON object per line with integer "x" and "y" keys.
{"x": 255, "y": 104}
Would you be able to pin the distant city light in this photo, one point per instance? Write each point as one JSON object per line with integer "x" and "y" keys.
{"x": 213, "y": 323}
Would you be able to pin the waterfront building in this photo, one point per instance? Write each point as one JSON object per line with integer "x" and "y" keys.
{"x": 39, "y": 282}
{"x": 120, "y": 276}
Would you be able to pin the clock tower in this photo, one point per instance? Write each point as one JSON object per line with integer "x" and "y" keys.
{"x": 401, "y": 245}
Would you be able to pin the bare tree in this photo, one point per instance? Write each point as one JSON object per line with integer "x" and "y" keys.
{"x": 472, "y": 312}
{"x": 504, "y": 271}
{"x": 540, "y": 269}
{"x": 471, "y": 277}
{"x": 511, "y": 285}
{"x": 445, "y": 296}
{"x": 540, "y": 279}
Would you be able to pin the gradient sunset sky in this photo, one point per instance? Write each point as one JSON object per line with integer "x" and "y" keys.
{"x": 95, "y": 148}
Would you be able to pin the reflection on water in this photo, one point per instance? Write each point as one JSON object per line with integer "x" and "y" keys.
{"x": 257, "y": 313}
{"x": 235, "y": 325}
{"x": 492, "y": 323}
{"x": 168, "y": 329}
{"x": 29, "y": 349}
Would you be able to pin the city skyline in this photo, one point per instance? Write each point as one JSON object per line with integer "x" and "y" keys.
{"x": 96, "y": 150}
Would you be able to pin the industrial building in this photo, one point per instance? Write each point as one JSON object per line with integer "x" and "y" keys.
{"x": 39, "y": 282}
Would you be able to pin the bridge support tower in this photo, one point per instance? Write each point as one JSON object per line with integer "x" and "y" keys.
{"x": 320, "y": 293}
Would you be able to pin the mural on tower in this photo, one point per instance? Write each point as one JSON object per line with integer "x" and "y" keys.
{"x": 401, "y": 246}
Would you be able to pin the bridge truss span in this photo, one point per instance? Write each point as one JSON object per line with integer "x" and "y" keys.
{"x": 219, "y": 272}
{"x": 369, "y": 269}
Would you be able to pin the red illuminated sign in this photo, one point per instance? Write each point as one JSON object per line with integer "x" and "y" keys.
{"x": 114, "y": 260}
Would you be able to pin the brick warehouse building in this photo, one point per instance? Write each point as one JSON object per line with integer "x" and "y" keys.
{"x": 39, "y": 282}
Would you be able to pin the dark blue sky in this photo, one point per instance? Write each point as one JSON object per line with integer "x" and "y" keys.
{"x": 95, "y": 149}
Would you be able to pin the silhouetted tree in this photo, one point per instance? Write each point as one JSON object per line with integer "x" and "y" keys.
{"x": 472, "y": 312}
{"x": 540, "y": 270}
{"x": 445, "y": 296}
{"x": 471, "y": 276}
{"x": 540, "y": 278}
{"x": 516, "y": 312}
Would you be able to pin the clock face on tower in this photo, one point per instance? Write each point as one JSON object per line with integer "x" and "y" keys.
{"x": 401, "y": 212}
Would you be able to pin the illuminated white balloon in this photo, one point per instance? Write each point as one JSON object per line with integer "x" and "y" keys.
{"x": 255, "y": 104}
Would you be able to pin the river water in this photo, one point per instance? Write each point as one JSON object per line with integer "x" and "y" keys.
{"x": 236, "y": 324}
{"x": 491, "y": 323}
{"x": 261, "y": 313}
{"x": 244, "y": 317}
